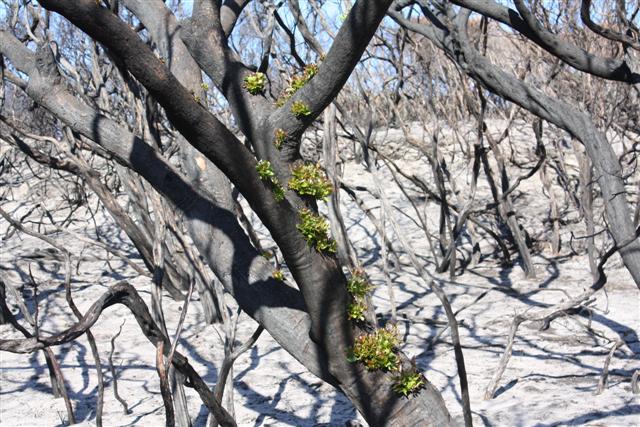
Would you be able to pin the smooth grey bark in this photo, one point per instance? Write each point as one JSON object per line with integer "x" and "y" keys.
{"x": 608, "y": 172}
{"x": 320, "y": 280}
{"x": 4, "y": 313}
{"x": 204, "y": 36}
{"x": 626, "y": 39}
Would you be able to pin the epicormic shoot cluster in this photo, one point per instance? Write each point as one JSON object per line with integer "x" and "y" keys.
{"x": 310, "y": 180}
{"x": 358, "y": 287}
{"x": 266, "y": 173}
{"x": 315, "y": 231}
{"x": 376, "y": 350}
{"x": 255, "y": 83}
{"x": 296, "y": 83}
{"x": 300, "y": 110}
{"x": 280, "y": 138}
{"x": 409, "y": 382}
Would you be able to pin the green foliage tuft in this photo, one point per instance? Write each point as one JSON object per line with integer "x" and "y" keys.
{"x": 255, "y": 83}
{"x": 310, "y": 180}
{"x": 300, "y": 109}
{"x": 315, "y": 230}
{"x": 266, "y": 173}
{"x": 409, "y": 382}
{"x": 278, "y": 192}
{"x": 357, "y": 284}
{"x": 376, "y": 350}
{"x": 310, "y": 71}
{"x": 297, "y": 82}
{"x": 265, "y": 170}
{"x": 358, "y": 288}
{"x": 356, "y": 311}
{"x": 281, "y": 136}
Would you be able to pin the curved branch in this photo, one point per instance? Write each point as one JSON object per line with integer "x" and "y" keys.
{"x": 125, "y": 294}
{"x": 345, "y": 53}
{"x": 576, "y": 57}
{"x": 546, "y": 315}
{"x": 230, "y": 12}
{"x": 308, "y": 36}
{"x": 57, "y": 380}
{"x": 204, "y": 36}
{"x": 585, "y": 15}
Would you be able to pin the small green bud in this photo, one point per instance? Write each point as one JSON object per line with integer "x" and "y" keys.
{"x": 300, "y": 109}
{"x": 255, "y": 83}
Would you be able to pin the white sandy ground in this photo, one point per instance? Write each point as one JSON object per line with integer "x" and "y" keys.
{"x": 550, "y": 381}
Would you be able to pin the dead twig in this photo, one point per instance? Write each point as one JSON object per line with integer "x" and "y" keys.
{"x": 165, "y": 387}
{"x": 114, "y": 377}
{"x": 183, "y": 314}
{"x": 602, "y": 383}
